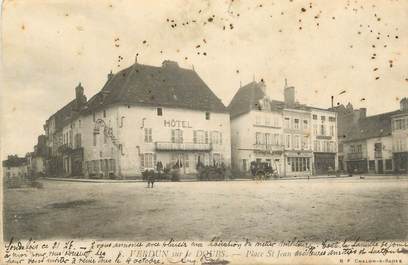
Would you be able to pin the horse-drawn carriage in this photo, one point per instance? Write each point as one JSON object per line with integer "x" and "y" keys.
{"x": 262, "y": 171}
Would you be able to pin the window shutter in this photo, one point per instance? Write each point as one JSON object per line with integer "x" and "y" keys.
{"x": 195, "y": 136}
{"x": 142, "y": 161}
{"x": 154, "y": 160}
{"x": 173, "y": 136}
{"x": 220, "y": 137}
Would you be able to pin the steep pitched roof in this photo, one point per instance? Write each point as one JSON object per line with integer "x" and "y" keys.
{"x": 248, "y": 98}
{"x": 245, "y": 99}
{"x": 371, "y": 127}
{"x": 168, "y": 86}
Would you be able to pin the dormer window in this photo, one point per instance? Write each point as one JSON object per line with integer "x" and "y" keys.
{"x": 159, "y": 112}
{"x": 207, "y": 115}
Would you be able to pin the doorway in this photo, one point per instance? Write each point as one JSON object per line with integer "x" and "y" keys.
{"x": 380, "y": 167}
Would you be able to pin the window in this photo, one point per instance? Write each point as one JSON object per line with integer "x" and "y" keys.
{"x": 105, "y": 138}
{"x": 79, "y": 123}
{"x": 331, "y": 130}
{"x": 207, "y": 115}
{"x": 305, "y": 124}
{"x": 267, "y": 138}
{"x": 199, "y": 137}
{"x": 296, "y": 141}
{"x": 159, "y": 112}
{"x": 104, "y": 113}
{"x": 296, "y": 123}
{"x": 399, "y": 124}
{"x": 388, "y": 164}
{"x": 299, "y": 164}
{"x": 287, "y": 123}
{"x": 371, "y": 165}
{"x": 287, "y": 141}
{"x": 305, "y": 142}
{"x": 77, "y": 143}
{"x": 216, "y": 137}
{"x": 315, "y": 129}
{"x": 147, "y": 161}
{"x": 244, "y": 165}
{"x": 332, "y": 119}
{"x": 258, "y": 138}
{"x": 323, "y": 118}
{"x": 148, "y": 135}
{"x": 176, "y": 136}
{"x": 94, "y": 139}
{"x": 359, "y": 148}
{"x": 322, "y": 130}
{"x": 93, "y": 116}
{"x": 276, "y": 139}
{"x": 314, "y": 116}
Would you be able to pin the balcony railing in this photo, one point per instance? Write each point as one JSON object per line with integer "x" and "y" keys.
{"x": 169, "y": 146}
{"x": 268, "y": 147}
{"x": 355, "y": 156}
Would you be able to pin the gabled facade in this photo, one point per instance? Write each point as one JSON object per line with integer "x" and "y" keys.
{"x": 256, "y": 135}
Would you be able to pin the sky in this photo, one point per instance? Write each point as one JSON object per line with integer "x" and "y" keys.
{"x": 355, "y": 51}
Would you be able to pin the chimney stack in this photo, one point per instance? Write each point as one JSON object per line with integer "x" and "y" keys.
{"x": 110, "y": 75}
{"x": 80, "y": 98}
{"x": 404, "y": 104}
{"x": 332, "y": 102}
{"x": 289, "y": 94}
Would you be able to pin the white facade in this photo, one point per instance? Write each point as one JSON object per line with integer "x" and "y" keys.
{"x": 324, "y": 140}
{"x": 126, "y": 140}
{"x": 379, "y": 154}
{"x": 297, "y": 144}
{"x": 257, "y": 136}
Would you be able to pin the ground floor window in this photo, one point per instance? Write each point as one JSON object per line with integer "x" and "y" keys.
{"x": 299, "y": 164}
{"x": 371, "y": 165}
{"x": 388, "y": 164}
{"x": 244, "y": 165}
{"x": 147, "y": 160}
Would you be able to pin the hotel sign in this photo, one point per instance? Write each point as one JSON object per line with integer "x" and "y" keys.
{"x": 177, "y": 124}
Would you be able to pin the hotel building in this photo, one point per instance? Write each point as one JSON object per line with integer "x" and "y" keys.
{"x": 143, "y": 115}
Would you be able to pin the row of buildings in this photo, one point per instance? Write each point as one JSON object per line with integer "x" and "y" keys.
{"x": 144, "y": 115}
{"x": 373, "y": 144}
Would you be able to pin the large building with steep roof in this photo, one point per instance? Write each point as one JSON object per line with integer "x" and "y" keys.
{"x": 149, "y": 114}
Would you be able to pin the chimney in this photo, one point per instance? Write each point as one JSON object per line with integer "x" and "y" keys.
{"x": 404, "y": 104}
{"x": 362, "y": 113}
{"x": 170, "y": 64}
{"x": 110, "y": 75}
{"x": 332, "y": 102}
{"x": 79, "y": 95}
{"x": 289, "y": 94}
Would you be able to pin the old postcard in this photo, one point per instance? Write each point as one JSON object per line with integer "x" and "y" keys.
{"x": 204, "y": 132}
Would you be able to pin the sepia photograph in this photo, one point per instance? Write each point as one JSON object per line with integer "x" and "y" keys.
{"x": 204, "y": 132}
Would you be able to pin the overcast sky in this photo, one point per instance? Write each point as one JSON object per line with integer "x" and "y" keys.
{"x": 322, "y": 48}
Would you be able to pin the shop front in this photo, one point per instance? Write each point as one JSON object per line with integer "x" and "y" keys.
{"x": 401, "y": 162}
{"x": 324, "y": 163}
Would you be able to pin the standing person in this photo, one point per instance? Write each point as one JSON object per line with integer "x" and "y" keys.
{"x": 159, "y": 168}
{"x": 253, "y": 168}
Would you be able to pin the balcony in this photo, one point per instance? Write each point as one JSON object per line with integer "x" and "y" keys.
{"x": 355, "y": 156}
{"x": 268, "y": 148}
{"x": 169, "y": 146}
